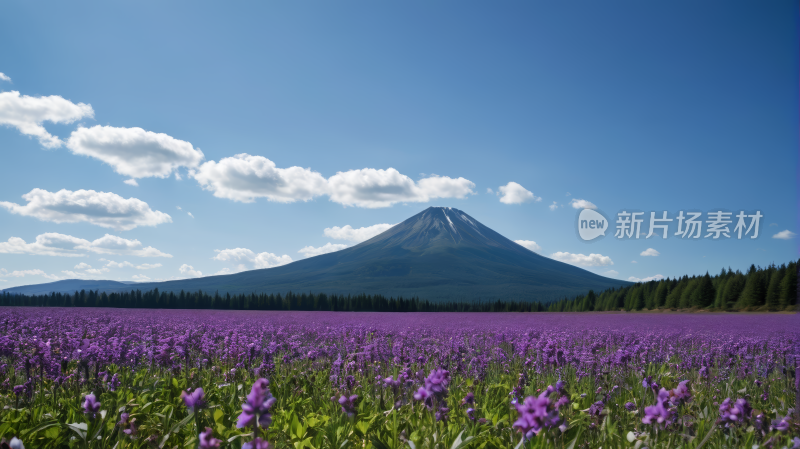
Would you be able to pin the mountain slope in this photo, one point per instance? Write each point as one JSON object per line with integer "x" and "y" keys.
{"x": 438, "y": 254}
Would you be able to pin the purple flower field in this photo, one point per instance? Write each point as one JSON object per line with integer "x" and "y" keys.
{"x": 204, "y": 378}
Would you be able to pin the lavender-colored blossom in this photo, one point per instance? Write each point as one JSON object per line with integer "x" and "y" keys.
{"x": 207, "y": 440}
{"x": 536, "y": 414}
{"x": 659, "y": 413}
{"x": 258, "y": 443}
{"x": 348, "y": 404}
{"x": 734, "y": 413}
{"x": 256, "y": 406}
{"x": 194, "y": 400}
{"x": 469, "y": 399}
{"x": 437, "y": 382}
{"x": 630, "y": 406}
{"x": 91, "y": 406}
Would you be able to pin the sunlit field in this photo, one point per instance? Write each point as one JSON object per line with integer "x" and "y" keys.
{"x": 97, "y": 378}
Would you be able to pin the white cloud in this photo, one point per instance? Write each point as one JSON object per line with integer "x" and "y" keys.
{"x": 581, "y": 204}
{"x": 650, "y": 252}
{"x": 104, "y": 209}
{"x": 82, "y": 266}
{"x": 97, "y": 271}
{"x": 143, "y": 278}
{"x": 633, "y": 261}
{"x": 553, "y": 206}
{"x": 657, "y": 277}
{"x": 189, "y": 271}
{"x": 529, "y": 244}
{"x": 489, "y": 190}
{"x": 513, "y": 193}
{"x": 243, "y": 257}
{"x": 190, "y": 214}
{"x": 310, "y": 251}
{"x": 147, "y": 266}
{"x": 611, "y": 273}
{"x": 784, "y": 235}
{"x": 592, "y": 260}
{"x": 4, "y": 77}
{"x": 568, "y": 194}
{"x": 179, "y": 208}
{"x": 374, "y": 188}
{"x": 245, "y": 178}
{"x": 135, "y": 152}
{"x": 356, "y": 235}
{"x": 131, "y": 182}
{"x": 54, "y": 244}
{"x": 28, "y": 113}
{"x": 23, "y": 273}
{"x": 112, "y": 264}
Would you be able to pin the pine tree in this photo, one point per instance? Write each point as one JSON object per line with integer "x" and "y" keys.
{"x": 789, "y": 286}
{"x": 774, "y": 289}
{"x": 705, "y": 292}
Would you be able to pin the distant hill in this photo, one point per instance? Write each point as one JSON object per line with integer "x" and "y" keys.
{"x": 68, "y": 286}
{"x": 438, "y": 254}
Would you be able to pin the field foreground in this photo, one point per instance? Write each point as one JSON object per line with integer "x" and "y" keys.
{"x": 116, "y": 378}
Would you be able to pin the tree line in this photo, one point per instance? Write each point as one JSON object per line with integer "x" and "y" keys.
{"x": 154, "y": 299}
{"x": 770, "y": 288}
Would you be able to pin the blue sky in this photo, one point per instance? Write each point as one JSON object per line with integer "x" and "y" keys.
{"x": 384, "y": 109}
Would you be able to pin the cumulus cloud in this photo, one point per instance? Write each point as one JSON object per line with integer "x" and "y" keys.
{"x": 356, "y": 235}
{"x": 143, "y": 278}
{"x": 28, "y": 113}
{"x": 611, "y": 273}
{"x": 23, "y": 273}
{"x": 188, "y": 271}
{"x": 374, "y": 188}
{"x": 244, "y": 178}
{"x": 581, "y": 204}
{"x": 592, "y": 260}
{"x": 147, "y": 266}
{"x": 131, "y": 182}
{"x": 4, "y": 77}
{"x": 190, "y": 214}
{"x": 81, "y": 266}
{"x": 553, "y": 206}
{"x": 657, "y": 277}
{"x": 784, "y": 235}
{"x": 489, "y": 190}
{"x": 529, "y": 244}
{"x": 243, "y": 258}
{"x": 650, "y": 252}
{"x": 310, "y": 251}
{"x": 112, "y": 264}
{"x": 54, "y": 244}
{"x": 104, "y": 209}
{"x": 135, "y": 152}
{"x": 513, "y": 193}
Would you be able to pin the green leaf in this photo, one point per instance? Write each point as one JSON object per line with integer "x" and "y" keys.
{"x": 175, "y": 428}
{"x": 218, "y": 414}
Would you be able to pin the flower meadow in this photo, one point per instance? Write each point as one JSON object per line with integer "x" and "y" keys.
{"x": 116, "y": 378}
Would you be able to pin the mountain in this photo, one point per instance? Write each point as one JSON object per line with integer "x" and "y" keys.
{"x": 68, "y": 286}
{"x": 439, "y": 254}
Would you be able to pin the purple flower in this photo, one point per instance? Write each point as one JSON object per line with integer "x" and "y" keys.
{"x": 207, "y": 440}
{"x": 536, "y": 414}
{"x": 91, "y": 406}
{"x": 630, "y": 406}
{"x": 735, "y": 413}
{"x": 681, "y": 393}
{"x": 258, "y": 443}
{"x": 257, "y": 405}
{"x": 471, "y": 414}
{"x": 194, "y": 400}
{"x": 348, "y": 404}
{"x": 596, "y": 408}
{"x": 437, "y": 382}
{"x": 422, "y": 394}
{"x": 781, "y": 425}
{"x": 442, "y": 414}
{"x": 660, "y": 412}
{"x": 469, "y": 399}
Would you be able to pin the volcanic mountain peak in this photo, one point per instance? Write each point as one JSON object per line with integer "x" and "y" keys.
{"x": 440, "y": 253}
